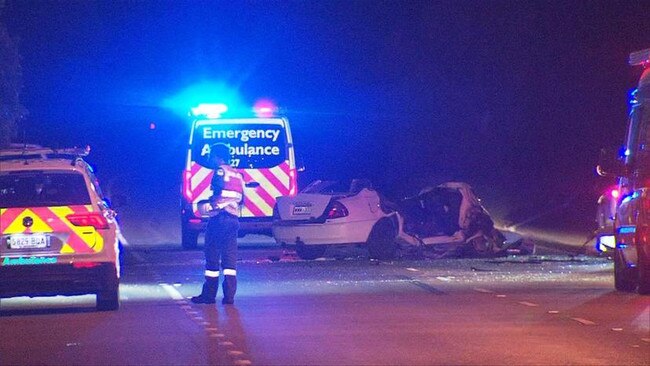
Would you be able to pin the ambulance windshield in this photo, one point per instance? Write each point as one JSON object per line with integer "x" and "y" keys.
{"x": 39, "y": 189}
{"x": 252, "y": 146}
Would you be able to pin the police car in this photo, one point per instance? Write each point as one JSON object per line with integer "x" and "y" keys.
{"x": 58, "y": 235}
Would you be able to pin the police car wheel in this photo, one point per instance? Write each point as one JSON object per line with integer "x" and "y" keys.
{"x": 189, "y": 239}
{"x": 108, "y": 297}
{"x": 381, "y": 241}
{"x": 309, "y": 252}
{"x": 624, "y": 277}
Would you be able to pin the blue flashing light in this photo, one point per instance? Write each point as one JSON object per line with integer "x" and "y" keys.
{"x": 208, "y": 110}
{"x": 627, "y": 229}
{"x": 633, "y": 97}
{"x": 206, "y": 92}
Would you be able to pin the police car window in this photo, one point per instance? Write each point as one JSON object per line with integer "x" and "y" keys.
{"x": 252, "y": 146}
{"x": 42, "y": 189}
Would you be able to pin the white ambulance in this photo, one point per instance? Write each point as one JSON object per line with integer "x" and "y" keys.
{"x": 262, "y": 151}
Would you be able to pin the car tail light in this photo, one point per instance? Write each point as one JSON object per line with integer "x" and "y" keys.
{"x": 293, "y": 182}
{"x": 85, "y": 264}
{"x": 187, "y": 189}
{"x": 336, "y": 210}
{"x": 94, "y": 219}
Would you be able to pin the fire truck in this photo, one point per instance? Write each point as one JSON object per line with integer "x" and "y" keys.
{"x": 632, "y": 213}
{"x": 262, "y": 150}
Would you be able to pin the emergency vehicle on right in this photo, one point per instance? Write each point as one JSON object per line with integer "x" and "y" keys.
{"x": 632, "y": 217}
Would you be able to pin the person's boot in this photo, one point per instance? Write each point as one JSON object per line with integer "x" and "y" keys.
{"x": 229, "y": 289}
{"x": 208, "y": 293}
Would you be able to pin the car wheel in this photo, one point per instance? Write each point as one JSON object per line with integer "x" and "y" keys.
{"x": 644, "y": 270}
{"x": 190, "y": 238}
{"x": 624, "y": 277}
{"x": 108, "y": 297}
{"x": 310, "y": 252}
{"x": 381, "y": 241}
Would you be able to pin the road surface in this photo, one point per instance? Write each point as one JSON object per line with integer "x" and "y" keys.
{"x": 541, "y": 310}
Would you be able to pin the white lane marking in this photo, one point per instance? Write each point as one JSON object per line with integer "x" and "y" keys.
{"x": 617, "y": 329}
{"x": 243, "y": 362}
{"x": 584, "y": 321}
{"x": 646, "y": 340}
{"x": 446, "y": 279}
{"x": 211, "y": 329}
{"x": 526, "y": 303}
{"x": 217, "y": 335}
{"x": 635, "y": 346}
{"x": 235, "y": 353}
{"x": 411, "y": 269}
{"x": 172, "y": 291}
{"x": 501, "y": 296}
{"x": 226, "y": 343}
{"x": 485, "y": 291}
{"x": 553, "y": 311}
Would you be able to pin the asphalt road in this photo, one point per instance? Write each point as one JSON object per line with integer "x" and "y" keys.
{"x": 541, "y": 310}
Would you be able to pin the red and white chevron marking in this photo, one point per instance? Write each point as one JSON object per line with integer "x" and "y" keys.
{"x": 259, "y": 200}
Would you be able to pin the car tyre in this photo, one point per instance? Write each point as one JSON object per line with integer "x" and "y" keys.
{"x": 309, "y": 252}
{"x": 189, "y": 238}
{"x": 381, "y": 241}
{"x": 108, "y": 297}
{"x": 624, "y": 276}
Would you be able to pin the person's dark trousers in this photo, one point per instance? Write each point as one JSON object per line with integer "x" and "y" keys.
{"x": 221, "y": 251}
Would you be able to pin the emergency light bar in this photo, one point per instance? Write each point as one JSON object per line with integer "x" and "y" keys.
{"x": 209, "y": 110}
{"x": 44, "y": 151}
{"x": 640, "y": 58}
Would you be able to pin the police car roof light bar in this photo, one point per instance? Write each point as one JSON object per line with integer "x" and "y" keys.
{"x": 640, "y": 58}
{"x": 44, "y": 151}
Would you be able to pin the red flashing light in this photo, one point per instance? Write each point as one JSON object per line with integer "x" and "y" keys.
{"x": 265, "y": 108}
{"x": 94, "y": 219}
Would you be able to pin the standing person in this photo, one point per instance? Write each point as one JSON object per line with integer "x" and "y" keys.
{"x": 221, "y": 235}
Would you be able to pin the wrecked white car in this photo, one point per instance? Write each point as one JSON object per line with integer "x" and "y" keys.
{"x": 444, "y": 220}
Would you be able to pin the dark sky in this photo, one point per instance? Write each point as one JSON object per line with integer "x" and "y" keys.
{"x": 515, "y": 97}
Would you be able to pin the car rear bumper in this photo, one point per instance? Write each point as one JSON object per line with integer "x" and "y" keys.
{"x": 322, "y": 234}
{"x": 246, "y": 225}
{"x": 55, "y": 279}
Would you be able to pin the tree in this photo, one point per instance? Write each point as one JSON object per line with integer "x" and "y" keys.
{"x": 11, "y": 82}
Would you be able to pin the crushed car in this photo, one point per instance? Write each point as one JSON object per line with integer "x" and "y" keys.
{"x": 446, "y": 220}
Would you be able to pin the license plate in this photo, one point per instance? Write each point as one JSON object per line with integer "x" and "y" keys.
{"x": 32, "y": 241}
{"x": 302, "y": 210}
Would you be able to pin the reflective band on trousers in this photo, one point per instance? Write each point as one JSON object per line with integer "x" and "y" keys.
{"x": 209, "y": 273}
{"x": 229, "y": 272}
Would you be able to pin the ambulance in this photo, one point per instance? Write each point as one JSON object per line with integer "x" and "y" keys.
{"x": 632, "y": 213}
{"x": 262, "y": 150}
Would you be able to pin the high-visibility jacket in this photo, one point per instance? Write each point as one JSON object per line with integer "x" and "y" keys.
{"x": 228, "y": 186}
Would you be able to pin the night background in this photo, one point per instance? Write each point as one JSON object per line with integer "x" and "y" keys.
{"x": 515, "y": 98}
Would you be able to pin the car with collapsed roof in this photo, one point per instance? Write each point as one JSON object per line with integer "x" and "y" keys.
{"x": 447, "y": 219}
